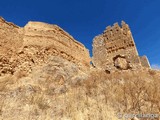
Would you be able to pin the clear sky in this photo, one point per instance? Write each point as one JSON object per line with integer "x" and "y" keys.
{"x": 84, "y": 19}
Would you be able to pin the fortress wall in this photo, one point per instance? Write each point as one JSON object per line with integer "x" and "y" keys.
{"x": 54, "y": 36}
{"x": 36, "y": 42}
{"x": 22, "y": 48}
{"x": 11, "y": 37}
{"x": 115, "y": 41}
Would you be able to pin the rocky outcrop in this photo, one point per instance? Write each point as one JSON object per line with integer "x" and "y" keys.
{"x": 35, "y": 43}
{"x": 115, "y": 49}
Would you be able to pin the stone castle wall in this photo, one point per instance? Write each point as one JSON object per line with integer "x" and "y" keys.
{"x": 51, "y": 36}
{"x": 115, "y": 49}
{"x": 22, "y": 48}
{"x": 11, "y": 37}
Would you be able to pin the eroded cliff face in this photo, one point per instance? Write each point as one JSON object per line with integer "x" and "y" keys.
{"x": 23, "y": 48}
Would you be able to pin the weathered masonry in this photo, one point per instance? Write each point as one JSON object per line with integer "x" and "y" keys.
{"x": 115, "y": 49}
{"x": 24, "y": 47}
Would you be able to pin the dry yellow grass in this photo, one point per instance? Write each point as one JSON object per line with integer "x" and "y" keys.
{"x": 99, "y": 97}
{"x": 130, "y": 91}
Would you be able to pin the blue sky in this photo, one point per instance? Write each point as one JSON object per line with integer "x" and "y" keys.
{"x": 84, "y": 19}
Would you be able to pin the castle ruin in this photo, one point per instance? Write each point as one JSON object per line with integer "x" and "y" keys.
{"x": 116, "y": 49}
{"x": 21, "y": 48}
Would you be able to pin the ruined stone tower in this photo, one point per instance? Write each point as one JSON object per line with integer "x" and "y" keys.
{"x": 115, "y": 49}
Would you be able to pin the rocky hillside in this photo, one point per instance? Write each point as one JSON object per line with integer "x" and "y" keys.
{"x": 45, "y": 74}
